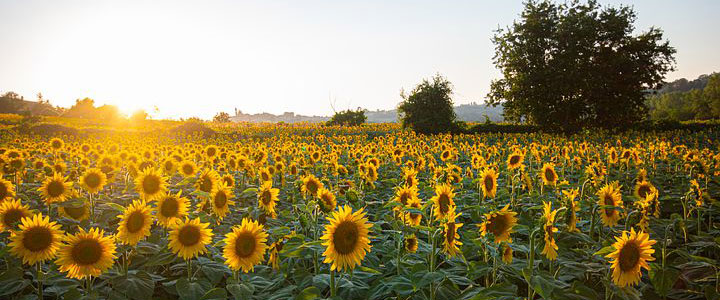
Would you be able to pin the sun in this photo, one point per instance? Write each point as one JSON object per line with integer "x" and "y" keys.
{"x": 346, "y": 238}
{"x": 245, "y": 246}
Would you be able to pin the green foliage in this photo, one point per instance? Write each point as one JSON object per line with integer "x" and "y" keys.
{"x": 85, "y": 109}
{"x": 694, "y": 104}
{"x": 575, "y": 65}
{"x": 221, "y": 117}
{"x": 428, "y": 109}
{"x": 348, "y": 118}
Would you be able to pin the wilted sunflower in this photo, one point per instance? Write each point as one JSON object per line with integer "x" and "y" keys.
{"x": 134, "y": 223}
{"x": 642, "y": 189}
{"x": 86, "y": 253}
{"x": 170, "y": 209}
{"x": 56, "y": 188}
{"x": 411, "y": 243}
{"x": 609, "y": 195}
{"x": 515, "y": 160}
{"x": 507, "y": 253}
{"x": 187, "y": 168}
{"x": 267, "y": 198}
{"x": 550, "y": 248}
{"x": 93, "y": 180}
{"x": 572, "y": 209}
{"x": 74, "y": 211}
{"x": 188, "y": 238}
{"x": 245, "y": 246}
{"x": 632, "y": 252}
{"x": 221, "y": 198}
{"x": 150, "y": 184}
{"x": 548, "y": 175}
{"x": 326, "y": 200}
{"x": 500, "y": 224}
{"x": 443, "y": 200}
{"x": 451, "y": 239}
{"x": 310, "y": 185}
{"x": 11, "y": 213}
{"x": 37, "y": 240}
{"x": 207, "y": 181}
{"x": 7, "y": 190}
{"x": 488, "y": 182}
{"x": 346, "y": 238}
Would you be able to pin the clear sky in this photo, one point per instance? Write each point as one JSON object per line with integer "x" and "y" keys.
{"x": 195, "y": 58}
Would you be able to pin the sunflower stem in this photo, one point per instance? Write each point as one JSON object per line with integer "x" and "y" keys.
{"x": 189, "y": 269}
{"x": 40, "y": 280}
{"x": 333, "y": 288}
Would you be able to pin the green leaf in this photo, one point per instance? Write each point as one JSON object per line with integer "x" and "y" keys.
{"x": 662, "y": 279}
{"x": 240, "y": 290}
{"x": 115, "y": 206}
{"x": 191, "y": 290}
{"x": 605, "y": 251}
{"x": 138, "y": 285}
{"x": 216, "y": 293}
{"x": 309, "y": 293}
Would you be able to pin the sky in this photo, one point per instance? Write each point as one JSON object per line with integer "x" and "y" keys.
{"x": 179, "y": 59}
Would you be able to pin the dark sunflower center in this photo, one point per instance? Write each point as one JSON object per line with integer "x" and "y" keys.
{"x": 450, "y": 232}
{"x": 549, "y": 175}
{"x": 55, "y": 188}
{"x": 135, "y": 222}
{"x": 12, "y": 216}
{"x": 514, "y": 159}
{"x": 37, "y": 239}
{"x": 151, "y": 184}
{"x": 244, "y": 244}
{"x": 75, "y": 212}
{"x": 220, "y": 199}
{"x": 489, "y": 183}
{"x": 169, "y": 207}
{"x": 312, "y": 186}
{"x": 206, "y": 184}
{"x": 3, "y": 191}
{"x": 87, "y": 252}
{"x": 404, "y": 198}
{"x": 168, "y": 165}
{"x": 497, "y": 225}
{"x": 345, "y": 237}
{"x": 444, "y": 202}
{"x": 266, "y": 197}
{"x": 629, "y": 256}
{"x": 187, "y": 169}
{"x": 265, "y": 176}
{"x": 92, "y": 180}
{"x": 410, "y": 243}
{"x": 608, "y": 200}
{"x": 189, "y": 235}
{"x": 643, "y": 191}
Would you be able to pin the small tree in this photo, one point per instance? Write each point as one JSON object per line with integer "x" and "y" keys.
{"x": 348, "y": 118}
{"x": 221, "y": 117}
{"x": 428, "y": 108}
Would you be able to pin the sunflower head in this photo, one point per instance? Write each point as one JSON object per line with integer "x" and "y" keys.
{"x": 515, "y": 160}
{"x": 7, "y": 190}
{"x": 11, "y": 213}
{"x": 346, "y": 238}
{"x": 245, "y": 246}
{"x": 75, "y": 211}
{"x": 643, "y": 189}
{"x": 548, "y": 175}
{"x": 326, "y": 200}
{"x": 411, "y": 243}
{"x": 451, "y": 239}
{"x": 507, "y": 253}
{"x": 135, "y": 223}
{"x": 187, "y": 168}
{"x": 443, "y": 200}
{"x": 56, "y": 188}
{"x": 93, "y": 180}
{"x": 37, "y": 240}
{"x": 86, "y": 253}
{"x": 500, "y": 224}
{"x": 207, "y": 181}
{"x": 310, "y": 185}
{"x": 170, "y": 209}
{"x": 189, "y": 238}
{"x": 150, "y": 184}
{"x": 609, "y": 195}
{"x": 632, "y": 252}
{"x": 488, "y": 182}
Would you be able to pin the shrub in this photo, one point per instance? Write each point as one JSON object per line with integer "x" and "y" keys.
{"x": 348, "y": 118}
{"x": 428, "y": 109}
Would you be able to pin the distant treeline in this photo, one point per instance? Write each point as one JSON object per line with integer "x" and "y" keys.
{"x": 683, "y": 100}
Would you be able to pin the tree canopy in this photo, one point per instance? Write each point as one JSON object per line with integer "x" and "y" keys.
{"x": 575, "y": 65}
{"x": 428, "y": 108}
{"x": 348, "y": 118}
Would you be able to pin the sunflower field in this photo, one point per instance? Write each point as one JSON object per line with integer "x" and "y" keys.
{"x": 370, "y": 212}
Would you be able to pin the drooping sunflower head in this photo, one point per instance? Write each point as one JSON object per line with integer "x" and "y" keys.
{"x": 643, "y": 189}
{"x": 93, "y": 180}
{"x": 245, "y": 246}
{"x": 412, "y": 218}
{"x": 488, "y": 182}
{"x": 410, "y": 175}
{"x": 229, "y": 180}
{"x": 37, "y": 240}
{"x": 550, "y": 248}
{"x": 443, "y": 200}
{"x": 346, "y": 238}
{"x": 11, "y": 213}
{"x": 187, "y": 168}
{"x": 326, "y": 200}
{"x": 7, "y": 190}
{"x": 452, "y": 237}
{"x": 221, "y": 198}
{"x": 609, "y": 195}
{"x": 86, "y": 253}
{"x": 170, "y": 209}
{"x": 189, "y": 238}
{"x": 135, "y": 223}
{"x": 207, "y": 181}
{"x": 405, "y": 195}
{"x": 500, "y": 224}
{"x": 507, "y": 253}
{"x": 411, "y": 243}
{"x": 56, "y": 188}
{"x": 548, "y": 175}
{"x": 150, "y": 184}
{"x": 310, "y": 185}
{"x": 632, "y": 252}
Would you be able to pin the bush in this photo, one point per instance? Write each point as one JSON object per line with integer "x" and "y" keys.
{"x": 348, "y": 118}
{"x": 429, "y": 109}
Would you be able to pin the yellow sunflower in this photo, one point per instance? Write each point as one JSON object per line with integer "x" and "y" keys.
{"x": 450, "y": 232}
{"x": 170, "y": 209}
{"x": 326, "y": 200}
{"x": 56, "y": 188}
{"x": 188, "y": 238}
{"x": 572, "y": 209}
{"x": 74, "y": 211}
{"x": 507, "y": 253}
{"x": 11, "y": 213}
{"x": 500, "y": 224}
{"x": 632, "y": 252}
{"x": 412, "y": 218}
{"x": 37, "y": 240}
{"x": 150, "y": 184}
{"x": 207, "y": 181}
{"x": 221, "y": 198}
{"x": 515, "y": 160}
{"x": 264, "y": 175}
{"x": 86, "y": 253}
{"x": 548, "y": 175}
{"x": 643, "y": 189}
{"x": 609, "y": 195}
{"x": 245, "y": 246}
{"x": 550, "y": 248}
{"x": 310, "y": 185}
{"x": 268, "y": 197}
{"x": 411, "y": 243}
{"x": 7, "y": 190}
{"x": 187, "y": 168}
{"x": 488, "y": 182}
{"x": 346, "y": 238}
{"x": 93, "y": 180}
{"x": 134, "y": 223}
{"x": 443, "y": 200}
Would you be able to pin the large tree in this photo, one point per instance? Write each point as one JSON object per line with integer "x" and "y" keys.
{"x": 428, "y": 108}
{"x": 575, "y": 65}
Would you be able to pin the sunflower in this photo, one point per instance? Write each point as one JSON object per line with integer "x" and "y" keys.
{"x": 326, "y": 200}
{"x": 632, "y": 252}
{"x": 170, "y": 209}
{"x": 410, "y": 176}
{"x": 346, "y": 238}
{"x": 86, "y": 253}
{"x": 207, "y": 181}
{"x": 642, "y": 189}
{"x": 93, "y": 180}
{"x": 550, "y": 248}
{"x": 450, "y": 232}
{"x": 56, "y": 188}
{"x": 169, "y": 166}
{"x": 74, "y": 211}
{"x": 507, "y": 253}
{"x": 134, "y": 223}
{"x": 37, "y": 240}
{"x": 572, "y": 209}
{"x": 11, "y": 213}
{"x": 245, "y": 246}
{"x": 264, "y": 175}
{"x": 548, "y": 175}
{"x": 443, "y": 200}
{"x": 7, "y": 190}
{"x": 412, "y": 218}
{"x": 56, "y": 144}
{"x": 150, "y": 184}
{"x": 310, "y": 185}
{"x": 500, "y": 224}
{"x": 188, "y": 238}
{"x": 229, "y": 180}
{"x": 221, "y": 198}
{"x": 515, "y": 160}
{"x": 609, "y": 195}
{"x": 411, "y": 243}
{"x": 404, "y": 195}
{"x": 187, "y": 168}
{"x": 268, "y": 197}
{"x": 488, "y": 182}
